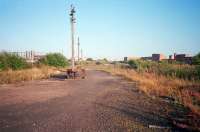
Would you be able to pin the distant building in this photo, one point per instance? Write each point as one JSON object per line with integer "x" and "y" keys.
{"x": 29, "y": 56}
{"x": 158, "y": 57}
{"x": 126, "y": 59}
{"x": 185, "y": 58}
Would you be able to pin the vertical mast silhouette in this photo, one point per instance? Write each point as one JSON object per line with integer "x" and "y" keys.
{"x": 72, "y": 20}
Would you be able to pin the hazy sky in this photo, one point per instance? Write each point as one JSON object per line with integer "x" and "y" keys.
{"x": 107, "y": 28}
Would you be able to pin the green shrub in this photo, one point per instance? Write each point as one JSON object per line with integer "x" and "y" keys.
{"x": 11, "y": 61}
{"x": 142, "y": 65}
{"x": 197, "y": 72}
{"x": 101, "y": 61}
{"x": 55, "y": 59}
{"x": 196, "y": 59}
{"x": 89, "y": 59}
{"x": 164, "y": 68}
{"x": 133, "y": 64}
{"x": 1, "y": 65}
{"x": 98, "y": 63}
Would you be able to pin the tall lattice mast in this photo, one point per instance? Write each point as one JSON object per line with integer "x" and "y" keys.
{"x": 72, "y": 20}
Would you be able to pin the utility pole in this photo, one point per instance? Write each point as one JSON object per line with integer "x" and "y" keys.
{"x": 78, "y": 50}
{"x": 72, "y": 20}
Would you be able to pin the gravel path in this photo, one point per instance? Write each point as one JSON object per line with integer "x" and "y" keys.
{"x": 99, "y": 103}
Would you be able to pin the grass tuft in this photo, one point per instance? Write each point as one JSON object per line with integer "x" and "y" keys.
{"x": 13, "y": 76}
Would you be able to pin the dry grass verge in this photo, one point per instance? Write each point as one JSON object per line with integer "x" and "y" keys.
{"x": 184, "y": 91}
{"x": 10, "y": 76}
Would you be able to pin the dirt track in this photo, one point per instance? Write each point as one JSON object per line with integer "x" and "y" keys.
{"x": 100, "y": 102}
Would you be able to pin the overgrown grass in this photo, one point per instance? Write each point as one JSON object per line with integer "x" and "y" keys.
{"x": 186, "y": 92}
{"x": 13, "y": 76}
{"x": 13, "y": 68}
{"x": 183, "y": 71}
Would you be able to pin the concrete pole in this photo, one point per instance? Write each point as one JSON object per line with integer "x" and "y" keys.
{"x": 82, "y": 54}
{"x": 78, "y": 50}
{"x": 72, "y": 37}
{"x": 72, "y": 19}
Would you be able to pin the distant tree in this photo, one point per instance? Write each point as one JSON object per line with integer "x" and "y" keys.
{"x": 55, "y": 59}
{"x": 105, "y": 60}
{"x": 196, "y": 59}
{"x": 89, "y": 59}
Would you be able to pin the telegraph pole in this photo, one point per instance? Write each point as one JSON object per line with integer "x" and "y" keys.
{"x": 72, "y": 20}
{"x": 78, "y": 50}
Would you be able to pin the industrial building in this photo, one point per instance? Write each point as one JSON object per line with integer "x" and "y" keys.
{"x": 158, "y": 57}
{"x": 29, "y": 56}
{"x": 185, "y": 58}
